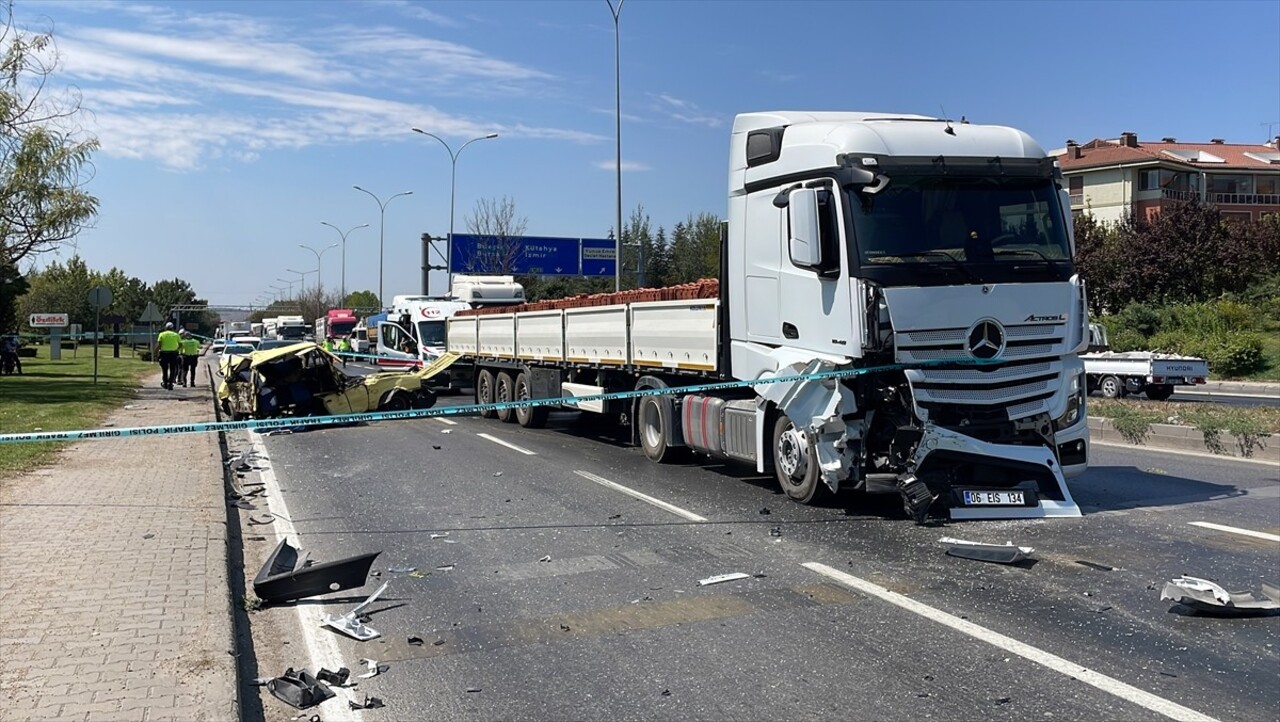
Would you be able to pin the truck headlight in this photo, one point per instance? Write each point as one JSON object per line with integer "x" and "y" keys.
{"x": 1075, "y": 405}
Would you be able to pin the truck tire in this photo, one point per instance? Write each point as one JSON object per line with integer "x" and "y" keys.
{"x": 651, "y": 426}
{"x": 505, "y": 392}
{"x": 1159, "y": 393}
{"x": 1111, "y": 387}
{"x": 484, "y": 392}
{"x": 795, "y": 462}
{"x": 530, "y": 417}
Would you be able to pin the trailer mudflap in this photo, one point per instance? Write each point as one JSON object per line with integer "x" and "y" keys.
{"x": 937, "y": 439}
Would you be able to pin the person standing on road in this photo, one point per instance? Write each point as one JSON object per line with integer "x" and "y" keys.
{"x": 190, "y": 350}
{"x": 344, "y": 347}
{"x": 167, "y": 344}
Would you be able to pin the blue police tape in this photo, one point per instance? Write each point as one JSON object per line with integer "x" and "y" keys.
{"x": 372, "y": 416}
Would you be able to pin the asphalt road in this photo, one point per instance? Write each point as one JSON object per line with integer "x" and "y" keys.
{"x": 556, "y": 596}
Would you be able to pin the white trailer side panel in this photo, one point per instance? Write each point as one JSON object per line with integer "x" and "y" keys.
{"x": 596, "y": 335}
{"x": 496, "y": 335}
{"x": 540, "y": 335}
{"x": 674, "y": 334}
{"x": 462, "y": 334}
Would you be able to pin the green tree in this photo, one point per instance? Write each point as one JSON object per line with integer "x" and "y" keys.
{"x": 43, "y": 158}
{"x": 61, "y": 288}
{"x": 362, "y": 302}
{"x": 12, "y": 286}
{"x": 695, "y": 249}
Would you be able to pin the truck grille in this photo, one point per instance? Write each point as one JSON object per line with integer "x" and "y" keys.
{"x": 1021, "y": 386}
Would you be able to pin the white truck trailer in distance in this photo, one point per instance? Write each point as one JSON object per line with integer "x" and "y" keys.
{"x": 931, "y": 258}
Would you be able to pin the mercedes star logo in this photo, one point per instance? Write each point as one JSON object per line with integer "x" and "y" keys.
{"x": 986, "y": 339}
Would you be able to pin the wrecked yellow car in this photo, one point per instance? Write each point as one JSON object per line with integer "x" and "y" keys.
{"x": 303, "y": 379}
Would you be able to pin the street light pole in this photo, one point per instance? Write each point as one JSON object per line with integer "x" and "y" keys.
{"x": 289, "y": 281}
{"x": 343, "y": 286}
{"x": 302, "y": 277}
{"x": 382, "y": 230}
{"x": 319, "y": 254}
{"x": 616, "y": 11}
{"x": 453, "y": 188}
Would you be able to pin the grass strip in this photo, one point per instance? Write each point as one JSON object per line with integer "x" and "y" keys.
{"x": 61, "y": 396}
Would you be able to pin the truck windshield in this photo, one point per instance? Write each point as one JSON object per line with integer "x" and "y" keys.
{"x": 941, "y": 230}
{"x": 341, "y": 328}
{"x": 431, "y": 333}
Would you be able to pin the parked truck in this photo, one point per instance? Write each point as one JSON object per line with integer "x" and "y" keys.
{"x": 292, "y": 328}
{"x": 336, "y": 323}
{"x": 1115, "y": 374}
{"x": 930, "y": 260}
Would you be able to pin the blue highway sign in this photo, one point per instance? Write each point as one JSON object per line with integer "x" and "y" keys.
{"x": 541, "y": 255}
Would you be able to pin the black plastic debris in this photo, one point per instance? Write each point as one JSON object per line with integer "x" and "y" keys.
{"x": 284, "y": 576}
{"x": 437, "y": 643}
{"x": 299, "y": 689}
{"x": 338, "y": 678}
{"x": 415, "y": 641}
{"x": 1209, "y": 598}
{"x": 369, "y": 703}
{"x": 1005, "y": 553}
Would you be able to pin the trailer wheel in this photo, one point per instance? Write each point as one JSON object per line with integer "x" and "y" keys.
{"x": 484, "y": 392}
{"x": 651, "y": 426}
{"x": 505, "y": 391}
{"x": 1159, "y": 393}
{"x": 795, "y": 462}
{"x": 530, "y": 417}
{"x": 1111, "y": 387}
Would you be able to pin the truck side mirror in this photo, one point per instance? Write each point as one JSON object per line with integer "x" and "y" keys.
{"x": 802, "y": 210}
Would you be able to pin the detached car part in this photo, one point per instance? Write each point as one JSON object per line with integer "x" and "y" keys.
{"x": 1005, "y": 553}
{"x": 299, "y": 689}
{"x": 1205, "y": 596}
{"x": 284, "y": 576}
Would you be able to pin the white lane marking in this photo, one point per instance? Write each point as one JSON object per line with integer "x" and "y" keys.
{"x": 642, "y": 497}
{"x": 1237, "y": 530}
{"x": 496, "y": 440}
{"x": 447, "y": 422}
{"x": 1112, "y": 686}
{"x": 321, "y": 644}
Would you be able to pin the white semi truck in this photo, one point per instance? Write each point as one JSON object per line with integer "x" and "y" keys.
{"x": 933, "y": 259}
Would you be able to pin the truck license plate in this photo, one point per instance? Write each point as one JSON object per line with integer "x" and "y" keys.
{"x": 994, "y": 498}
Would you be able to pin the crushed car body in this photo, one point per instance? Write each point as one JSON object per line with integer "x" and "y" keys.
{"x": 305, "y": 380}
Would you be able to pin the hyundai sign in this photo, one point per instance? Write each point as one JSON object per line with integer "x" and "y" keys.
{"x": 533, "y": 255}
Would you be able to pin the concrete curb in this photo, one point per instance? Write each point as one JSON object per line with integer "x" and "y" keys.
{"x": 1184, "y": 438}
{"x": 1246, "y": 388}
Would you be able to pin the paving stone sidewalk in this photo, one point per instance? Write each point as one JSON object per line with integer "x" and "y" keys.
{"x": 113, "y": 575}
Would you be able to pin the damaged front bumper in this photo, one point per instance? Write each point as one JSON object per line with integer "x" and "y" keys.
{"x": 989, "y": 481}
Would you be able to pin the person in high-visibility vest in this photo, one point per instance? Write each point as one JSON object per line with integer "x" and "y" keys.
{"x": 167, "y": 344}
{"x": 328, "y": 344}
{"x": 190, "y": 351}
{"x": 344, "y": 347}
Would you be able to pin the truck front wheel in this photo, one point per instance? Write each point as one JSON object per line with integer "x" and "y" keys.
{"x": 1159, "y": 393}
{"x": 484, "y": 392}
{"x": 795, "y": 462}
{"x": 1111, "y": 387}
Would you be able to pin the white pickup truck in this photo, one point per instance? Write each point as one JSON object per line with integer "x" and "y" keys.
{"x": 1115, "y": 374}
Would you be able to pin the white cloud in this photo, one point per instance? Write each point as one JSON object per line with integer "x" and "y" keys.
{"x": 417, "y": 12}
{"x": 627, "y": 166}
{"x": 223, "y": 86}
{"x": 686, "y": 111}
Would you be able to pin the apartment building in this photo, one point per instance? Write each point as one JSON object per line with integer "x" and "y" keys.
{"x": 1107, "y": 178}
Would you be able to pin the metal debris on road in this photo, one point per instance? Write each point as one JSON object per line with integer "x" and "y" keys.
{"x": 369, "y": 703}
{"x": 444, "y": 568}
{"x": 375, "y": 668}
{"x": 1205, "y": 596}
{"x": 1005, "y": 553}
{"x": 261, "y": 519}
{"x": 1095, "y": 565}
{"x": 547, "y": 558}
{"x": 401, "y": 570}
{"x": 338, "y": 678}
{"x": 285, "y": 575}
{"x": 350, "y": 624}
{"x": 441, "y": 535}
{"x": 723, "y": 578}
{"x": 446, "y": 431}
{"x": 437, "y": 643}
{"x": 473, "y": 689}
{"x": 299, "y": 689}
{"x": 497, "y": 473}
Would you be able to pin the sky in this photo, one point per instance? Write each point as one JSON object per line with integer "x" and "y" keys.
{"x": 231, "y": 130}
